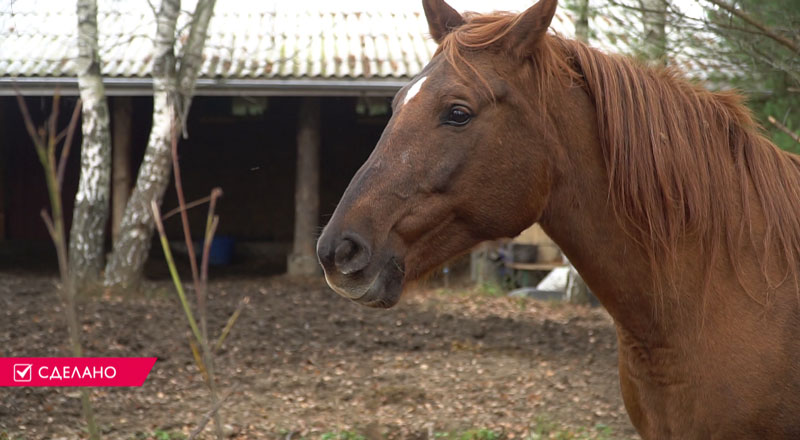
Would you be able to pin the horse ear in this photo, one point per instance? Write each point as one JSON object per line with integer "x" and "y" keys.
{"x": 441, "y": 18}
{"x": 531, "y": 25}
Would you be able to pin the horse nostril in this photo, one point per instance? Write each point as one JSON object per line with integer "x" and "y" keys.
{"x": 351, "y": 256}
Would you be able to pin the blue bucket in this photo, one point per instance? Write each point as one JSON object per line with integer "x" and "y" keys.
{"x": 221, "y": 251}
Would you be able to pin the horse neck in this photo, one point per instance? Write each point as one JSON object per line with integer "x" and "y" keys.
{"x": 581, "y": 221}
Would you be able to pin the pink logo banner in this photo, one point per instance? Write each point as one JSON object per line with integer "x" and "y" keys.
{"x": 75, "y": 372}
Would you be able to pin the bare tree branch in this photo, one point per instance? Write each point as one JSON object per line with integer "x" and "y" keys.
{"x": 207, "y": 416}
{"x": 189, "y": 206}
{"x": 48, "y": 223}
{"x": 26, "y": 117}
{"x": 73, "y": 122}
{"x": 783, "y": 128}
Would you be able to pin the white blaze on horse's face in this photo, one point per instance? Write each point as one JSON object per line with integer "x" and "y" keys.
{"x": 412, "y": 92}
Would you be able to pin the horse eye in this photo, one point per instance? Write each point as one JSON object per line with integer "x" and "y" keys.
{"x": 458, "y": 116}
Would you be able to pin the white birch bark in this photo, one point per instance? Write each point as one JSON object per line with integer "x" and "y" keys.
{"x": 88, "y": 233}
{"x": 136, "y": 229}
{"x": 125, "y": 267}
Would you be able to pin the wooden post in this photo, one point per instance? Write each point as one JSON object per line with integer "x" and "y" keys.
{"x": 303, "y": 259}
{"x": 481, "y": 268}
{"x": 122, "y": 114}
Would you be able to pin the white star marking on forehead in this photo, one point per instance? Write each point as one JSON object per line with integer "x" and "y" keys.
{"x": 412, "y": 92}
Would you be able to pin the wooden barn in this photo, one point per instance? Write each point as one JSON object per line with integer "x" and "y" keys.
{"x": 269, "y": 73}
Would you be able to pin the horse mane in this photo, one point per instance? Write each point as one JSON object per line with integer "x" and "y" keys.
{"x": 683, "y": 163}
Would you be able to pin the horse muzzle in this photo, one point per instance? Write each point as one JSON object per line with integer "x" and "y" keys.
{"x": 354, "y": 271}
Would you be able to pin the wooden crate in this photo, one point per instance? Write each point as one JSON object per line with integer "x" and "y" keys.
{"x": 548, "y": 251}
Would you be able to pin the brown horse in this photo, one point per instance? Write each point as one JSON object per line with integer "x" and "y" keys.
{"x": 681, "y": 217}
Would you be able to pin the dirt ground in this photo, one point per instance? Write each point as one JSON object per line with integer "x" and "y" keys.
{"x": 304, "y": 362}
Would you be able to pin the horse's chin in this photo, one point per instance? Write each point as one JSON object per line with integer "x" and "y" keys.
{"x": 381, "y": 291}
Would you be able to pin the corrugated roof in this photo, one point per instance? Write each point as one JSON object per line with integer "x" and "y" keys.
{"x": 242, "y": 44}
{"x": 255, "y": 47}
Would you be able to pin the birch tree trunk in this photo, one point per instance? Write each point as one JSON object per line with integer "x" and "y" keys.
{"x": 125, "y": 267}
{"x": 192, "y": 58}
{"x": 89, "y": 218}
{"x": 136, "y": 229}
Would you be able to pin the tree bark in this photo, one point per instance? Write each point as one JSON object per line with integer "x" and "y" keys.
{"x": 582, "y": 20}
{"x": 654, "y": 22}
{"x": 303, "y": 259}
{"x": 90, "y": 215}
{"x": 121, "y": 161}
{"x": 192, "y": 58}
{"x": 125, "y": 268}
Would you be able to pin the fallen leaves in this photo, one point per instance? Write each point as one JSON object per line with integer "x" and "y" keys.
{"x": 309, "y": 362}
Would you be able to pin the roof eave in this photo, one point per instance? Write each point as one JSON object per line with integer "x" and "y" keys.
{"x": 68, "y": 86}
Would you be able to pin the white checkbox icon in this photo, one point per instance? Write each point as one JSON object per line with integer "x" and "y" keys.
{"x": 22, "y": 372}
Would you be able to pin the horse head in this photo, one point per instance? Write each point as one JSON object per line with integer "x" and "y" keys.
{"x": 464, "y": 158}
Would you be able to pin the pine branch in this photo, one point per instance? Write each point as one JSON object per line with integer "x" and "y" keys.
{"x": 758, "y": 25}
